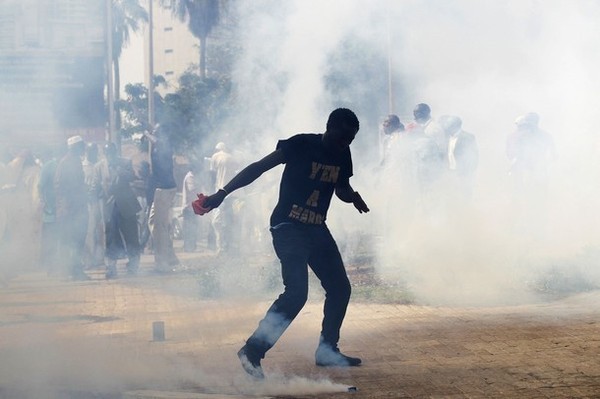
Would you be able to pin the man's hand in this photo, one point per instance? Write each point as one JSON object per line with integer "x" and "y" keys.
{"x": 206, "y": 204}
{"x": 198, "y": 205}
{"x": 359, "y": 203}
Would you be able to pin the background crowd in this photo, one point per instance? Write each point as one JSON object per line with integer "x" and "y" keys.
{"x": 85, "y": 205}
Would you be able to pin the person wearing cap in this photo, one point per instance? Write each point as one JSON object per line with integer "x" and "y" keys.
{"x": 71, "y": 208}
{"x": 316, "y": 167}
{"x": 223, "y": 167}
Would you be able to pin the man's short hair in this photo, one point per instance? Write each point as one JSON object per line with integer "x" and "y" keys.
{"x": 423, "y": 108}
{"x": 342, "y": 117}
{"x": 393, "y": 122}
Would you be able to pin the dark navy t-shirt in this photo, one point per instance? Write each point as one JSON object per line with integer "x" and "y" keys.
{"x": 309, "y": 178}
{"x": 162, "y": 165}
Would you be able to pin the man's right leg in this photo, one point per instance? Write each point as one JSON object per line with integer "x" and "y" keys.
{"x": 292, "y": 249}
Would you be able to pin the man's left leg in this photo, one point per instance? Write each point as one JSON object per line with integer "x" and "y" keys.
{"x": 326, "y": 262}
{"x": 78, "y": 231}
{"x": 129, "y": 230}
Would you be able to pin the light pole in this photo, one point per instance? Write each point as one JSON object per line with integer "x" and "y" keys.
{"x": 150, "y": 79}
{"x": 109, "y": 72}
{"x": 150, "y": 66}
{"x": 389, "y": 57}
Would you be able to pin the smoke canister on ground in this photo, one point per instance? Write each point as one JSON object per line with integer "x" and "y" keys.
{"x": 158, "y": 331}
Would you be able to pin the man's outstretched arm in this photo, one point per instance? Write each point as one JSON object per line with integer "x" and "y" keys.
{"x": 245, "y": 177}
{"x": 346, "y": 193}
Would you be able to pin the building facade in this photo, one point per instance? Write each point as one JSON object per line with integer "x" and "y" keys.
{"x": 175, "y": 48}
{"x": 52, "y": 69}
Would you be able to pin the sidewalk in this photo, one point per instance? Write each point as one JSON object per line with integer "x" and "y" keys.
{"x": 94, "y": 339}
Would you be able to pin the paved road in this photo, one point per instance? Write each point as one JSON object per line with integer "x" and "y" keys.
{"x": 94, "y": 339}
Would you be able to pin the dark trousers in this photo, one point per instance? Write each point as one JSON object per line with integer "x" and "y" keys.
{"x": 122, "y": 236}
{"x": 298, "y": 246}
{"x": 73, "y": 230}
{"x": 49, "y": 247}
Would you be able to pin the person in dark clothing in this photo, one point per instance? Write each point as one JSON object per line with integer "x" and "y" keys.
{"x": 162, "y": 181}
{"x": 50, "y": 233}
{"x": 120, "y": 207}
{"x": 316, "y": 166}
{"x": 71, "y": 207}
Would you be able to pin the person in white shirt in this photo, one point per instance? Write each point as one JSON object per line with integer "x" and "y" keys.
{"x": 223, "y": 167}
{"x": 462, "y": 154}
{"x": 190, "y": 221}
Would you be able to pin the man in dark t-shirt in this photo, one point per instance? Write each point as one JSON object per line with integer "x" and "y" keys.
{"x": 163, "y": 187}
{"x": 316, "y": 166}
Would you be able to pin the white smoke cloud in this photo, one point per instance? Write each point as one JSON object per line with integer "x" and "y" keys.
{"x": 487, "y": 62}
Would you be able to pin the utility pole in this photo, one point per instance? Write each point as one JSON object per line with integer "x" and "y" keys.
{"x": 150, "y": 80}
{"x": 150, "y": 66}
{"x": 110, "y": 90}
{"x": 389, "y": 57}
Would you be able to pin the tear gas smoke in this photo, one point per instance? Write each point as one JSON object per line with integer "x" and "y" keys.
{"x": 487, "y": 63}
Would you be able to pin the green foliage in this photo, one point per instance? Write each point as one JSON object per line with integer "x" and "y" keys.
{"x": 201, "y": 15}
{"x": 188, "y": 115}
{"x": 126, "y": 17}
{"x": 135, "y": 108}
{"x": 194, "y": 110}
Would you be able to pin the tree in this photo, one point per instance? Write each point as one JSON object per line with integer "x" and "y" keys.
{"x": 201, "y": 16}
{"x": 126, "y": 18}
{"x": 135, "y": 108}
{"x": 189, "y": 115}
{"x": 195, "y": 110}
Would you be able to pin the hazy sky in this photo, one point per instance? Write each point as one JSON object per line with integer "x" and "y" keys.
{"x": 132, "y": 60}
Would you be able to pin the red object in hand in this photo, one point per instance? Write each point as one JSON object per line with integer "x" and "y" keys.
{"x": 198, "y": 205}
